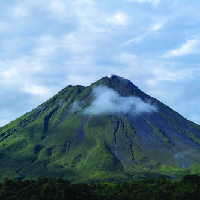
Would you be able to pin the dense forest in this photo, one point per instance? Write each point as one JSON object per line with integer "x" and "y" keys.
{"x": 59, "y": 189}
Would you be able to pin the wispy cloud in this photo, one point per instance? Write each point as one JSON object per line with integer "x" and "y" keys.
{"x": 156, "y": 26}
{"x": 118, "y": 18}
{"x": 58, "y": 6}
{"x": 20, "y": 12}
{"x": 154, "y": 2}
{"x": 136, "y": 39}
{"x": 22, "y": 77}
{"x": 164, "y": 74}
{"x": 185, "y": 49}
{"x": 85, "y": 2}
{"x": 11, "y": 75}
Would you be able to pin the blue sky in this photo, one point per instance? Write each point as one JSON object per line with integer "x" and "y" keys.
{"x": 47, "y": 45}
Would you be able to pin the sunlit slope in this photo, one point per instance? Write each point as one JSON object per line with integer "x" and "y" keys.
{"x": 50, "y": 141}
{"x": 59, "y": 139}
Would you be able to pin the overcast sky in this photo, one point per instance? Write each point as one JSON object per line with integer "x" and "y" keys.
{"x": 46, "y": 45}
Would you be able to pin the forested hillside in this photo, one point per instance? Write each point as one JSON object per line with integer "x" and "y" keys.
{"x": 59, "y": 189}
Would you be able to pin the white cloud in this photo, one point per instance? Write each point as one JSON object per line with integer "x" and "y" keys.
{"x": 154, "y": 27}
{"x": 136, "y": 40}
{"x": 187, "y": 48}
{"x": 20, "y": 12}
{"x": 47, "y": 46}
{"x": 154, "y": 2}
{"x": 61, "y": 10}
{"x": 118, "y": 18}
{"x": 133, "y": 65}
{"x": 70, "y": 44}
{"x": 75, "y": 43}
{"x": 90, "y": 19}
{"x": 84, "y": 2}
{"x": 164, "y": 74}
{"x": 37, "y": 90}
{"x": 109, "y": 101}
{"x": 18, "y": 73}
{"x": 153, "y": 71}
{"x": 57, "y": 6}
{"x": 44, "y": 51}
{"x": 125, "y": 58}
{"x": 157, "y": 26}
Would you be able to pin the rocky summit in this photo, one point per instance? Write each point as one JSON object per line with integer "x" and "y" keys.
{"x": 110, "y": 131}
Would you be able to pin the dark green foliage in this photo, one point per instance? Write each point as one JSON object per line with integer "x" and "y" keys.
{"x": 57, "y": 189}
{"x": 194, "y": 178}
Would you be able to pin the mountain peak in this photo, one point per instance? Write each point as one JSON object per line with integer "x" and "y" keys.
{"x": 113, "y": 76}
{"x": 105, "y": 133}
{"x": 123, "y": 86}
{"x": 119, "y": 79}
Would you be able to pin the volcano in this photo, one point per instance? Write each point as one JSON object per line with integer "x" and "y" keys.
{"x": 110, "y": 131}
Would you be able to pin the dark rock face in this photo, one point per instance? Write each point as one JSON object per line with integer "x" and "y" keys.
{"x": 123, "y": 86}
{"x": 80, "y": 128}
{"x": 163, "y": 131}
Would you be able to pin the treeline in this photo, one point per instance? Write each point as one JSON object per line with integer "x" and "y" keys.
{"x": 148, "y": 189}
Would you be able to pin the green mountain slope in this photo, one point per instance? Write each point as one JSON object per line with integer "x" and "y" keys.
{"x": 60, "y": 139}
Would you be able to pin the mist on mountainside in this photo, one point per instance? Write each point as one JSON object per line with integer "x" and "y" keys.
{"x": 108, "y": 100}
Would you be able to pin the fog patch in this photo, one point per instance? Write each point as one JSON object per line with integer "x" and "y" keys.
{"x": 185, "y": 153}
{"x": 109, "y": 101}
{"x": 40, "y": 107}
{"x": 75, "y": 106}
{"x": 61, "y": 102}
